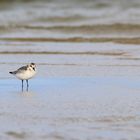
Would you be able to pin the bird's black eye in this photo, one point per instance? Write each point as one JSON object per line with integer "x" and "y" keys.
{"x": 33, "y": 68}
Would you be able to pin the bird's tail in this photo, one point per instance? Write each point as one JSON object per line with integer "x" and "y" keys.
{"x": 11, "y": 72}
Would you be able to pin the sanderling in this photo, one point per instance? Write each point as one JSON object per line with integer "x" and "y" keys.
{"x": 25, "y": 73}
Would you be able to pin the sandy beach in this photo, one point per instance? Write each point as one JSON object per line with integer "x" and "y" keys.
{"x": 71, "y": 108}
{"x": 75, "y": 94}
{"x": 88, "y": 67}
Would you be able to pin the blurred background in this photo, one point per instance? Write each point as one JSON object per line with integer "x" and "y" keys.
{"x": 69, "y": 18}
{"x": 70, "y": 37}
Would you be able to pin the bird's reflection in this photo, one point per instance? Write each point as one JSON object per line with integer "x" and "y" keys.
{"x": 27, "y": 93}
{"x": 28, "y": 97}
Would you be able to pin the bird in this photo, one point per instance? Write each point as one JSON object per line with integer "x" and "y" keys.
{"x": 25, "y": 73}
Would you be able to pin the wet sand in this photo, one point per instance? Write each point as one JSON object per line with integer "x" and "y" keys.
{"x": 87, "y": 85}
{"x": 71, "y": 108}
{"x": 75, "y": 95}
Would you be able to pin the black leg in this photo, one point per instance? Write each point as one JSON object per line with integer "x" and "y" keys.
{"x": 22, "y": 85}
{"x": 27, "y": 84}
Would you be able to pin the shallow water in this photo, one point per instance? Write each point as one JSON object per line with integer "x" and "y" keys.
{"x": 71, "y": 59}
{"x": 67, "y": 19}
{"x": 71, "y": 108}
{"x": 75, "y": 94}
{"x": 87, "y": 55}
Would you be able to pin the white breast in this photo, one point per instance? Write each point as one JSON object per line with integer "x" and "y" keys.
{"x": 25, "y": 75}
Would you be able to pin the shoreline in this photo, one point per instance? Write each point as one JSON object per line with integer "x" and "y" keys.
{"x": 121, "y": 40}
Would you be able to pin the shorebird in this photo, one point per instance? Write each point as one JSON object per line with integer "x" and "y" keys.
{"x": 25, "y": 73}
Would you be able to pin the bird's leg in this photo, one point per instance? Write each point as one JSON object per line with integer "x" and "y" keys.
{"x": 27, "y": 84}
{"x": 22, "y": 85}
